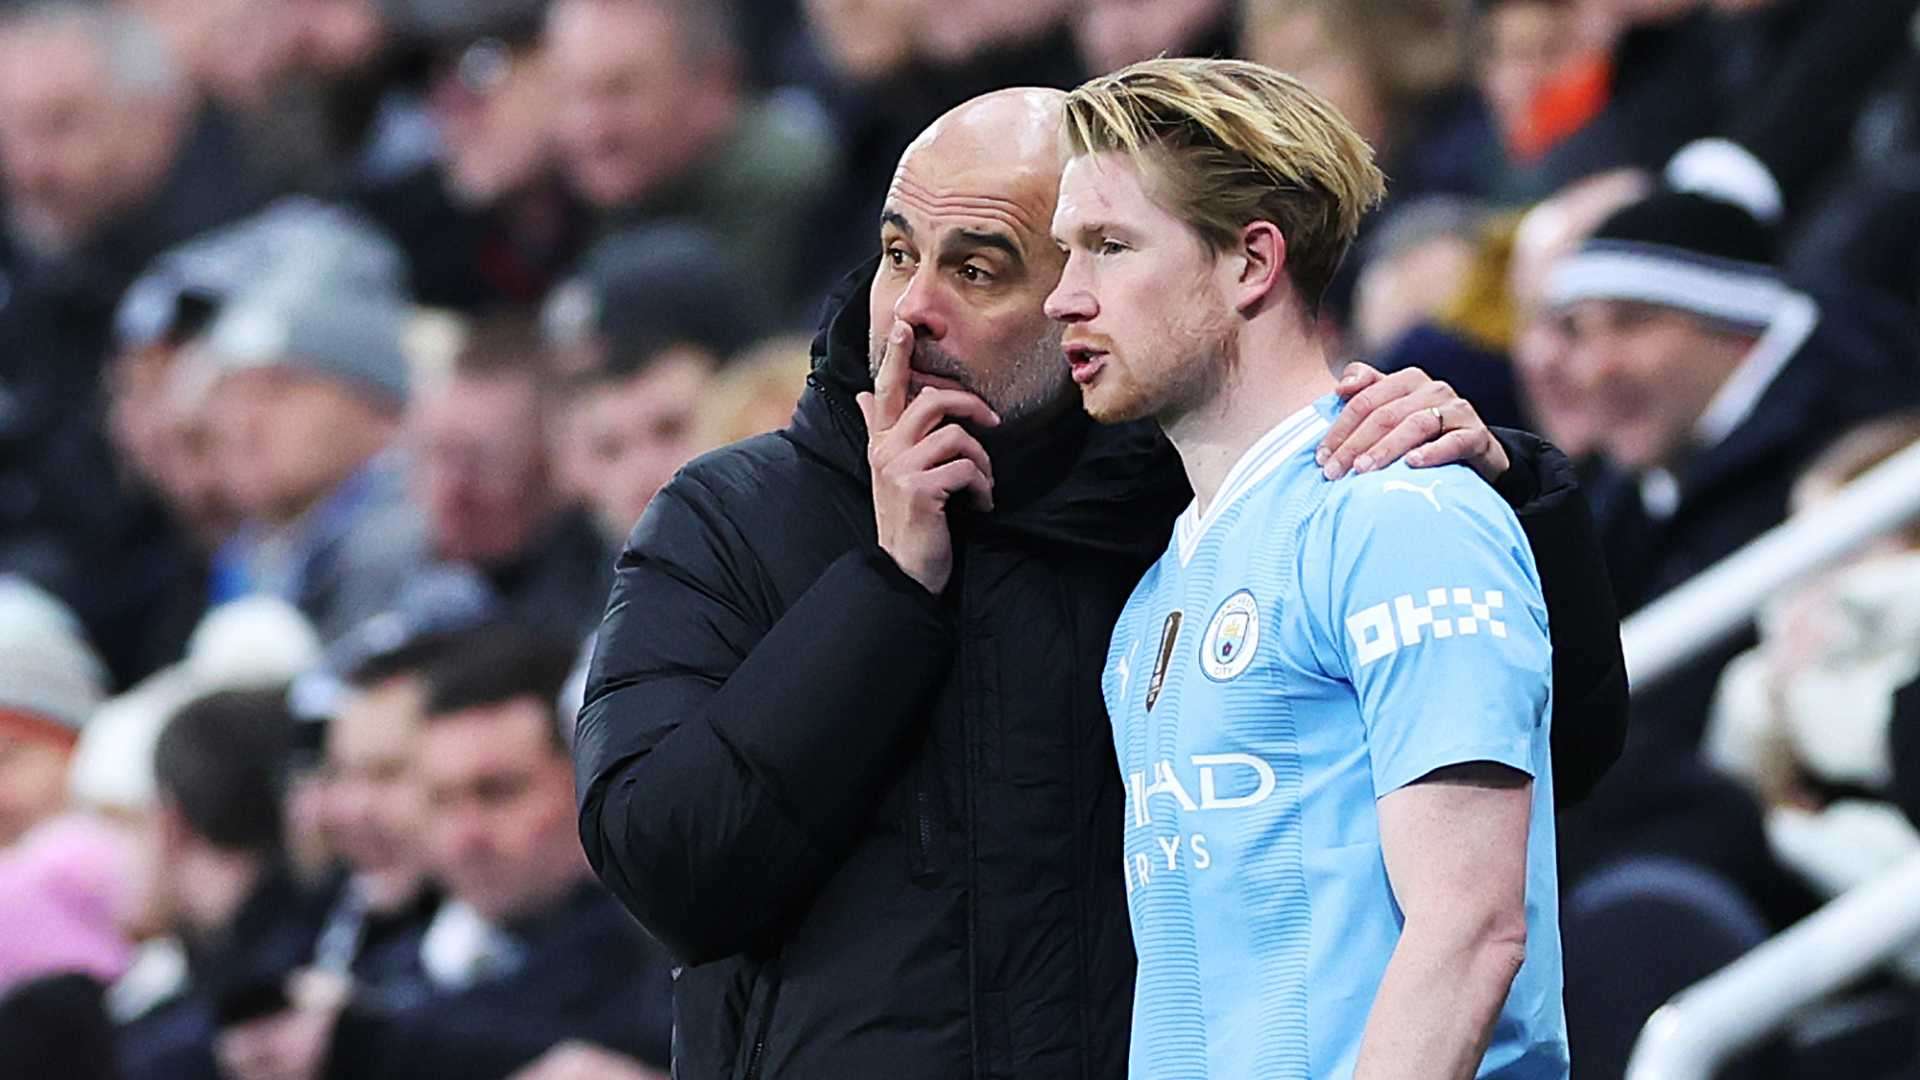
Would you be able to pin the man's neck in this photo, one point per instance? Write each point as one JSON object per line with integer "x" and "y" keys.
{"x": 1272, "y": 381}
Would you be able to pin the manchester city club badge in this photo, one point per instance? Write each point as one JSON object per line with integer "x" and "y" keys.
{"x": 1232, "y": 638}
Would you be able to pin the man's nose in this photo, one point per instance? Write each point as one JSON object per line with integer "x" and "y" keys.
{"x": 922, "y": 306}
{"x": 1070, "y": 301}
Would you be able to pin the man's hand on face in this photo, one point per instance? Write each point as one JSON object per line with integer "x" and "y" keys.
{"x": 921, "y": 459}
{"x": 1406, "y": 414}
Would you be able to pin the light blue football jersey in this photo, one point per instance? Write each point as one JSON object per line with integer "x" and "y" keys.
{"x": 1302, "y": 650}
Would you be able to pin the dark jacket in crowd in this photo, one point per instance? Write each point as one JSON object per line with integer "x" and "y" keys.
{"x": 479, "y": 258}
{"x": 878, "y": 825}
{"x": 1861, "y": 360}
{"x": 238, "y": 975}
{"x": 579, "y": 971}
{"x": 558, "y": 586}
{"x": 57, "y": 1026}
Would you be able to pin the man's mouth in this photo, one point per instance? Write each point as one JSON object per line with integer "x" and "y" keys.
{"x": 920, "y": 378}
{"x": 1085, "y": 362}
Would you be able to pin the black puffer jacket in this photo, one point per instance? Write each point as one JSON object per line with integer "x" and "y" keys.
{"x": 879, "y": 828}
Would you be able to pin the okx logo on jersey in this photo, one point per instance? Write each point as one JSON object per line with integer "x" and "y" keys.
{"x": 1403, "y": 622}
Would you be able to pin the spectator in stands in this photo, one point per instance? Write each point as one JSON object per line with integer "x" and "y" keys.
{"x": 1711, "y": 384}
{"x": 352, "y": 112}
{"x": 1395, "y": 69}
{"x": 531, "y": 953}
{"x": 1433, "y": 296}
{"x": 1541, "y": 71}
{"x": 1805, "y": 719}
{"x": 1114, "y": 33}
{"x": 211, "y": 871}
{"x": 489, "y": 223}
{"x": 1416, "y": 263}
{"x": 375, "y": 805}
{"x": 640, "y": 332}
{"x": 755, "y": 394}
{"x": 772, "y": 756}
{"x": 483, "y": 465}
{"x": 159, "y": 435}
{"x": 106, "y": 159}
{"x": 106, "y": 153}
{"x": 308, "y": 384}
{"x": 1549, "y": 232}
{"x": 50, "y": 684}
{"x": 654, "y": 124}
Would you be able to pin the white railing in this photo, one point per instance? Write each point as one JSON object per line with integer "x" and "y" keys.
{"x": 1736, "y": 1007}
{"x": 1731, "y": 1010}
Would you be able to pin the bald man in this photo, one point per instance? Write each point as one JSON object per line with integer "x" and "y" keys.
{"x": 843, "y": 750}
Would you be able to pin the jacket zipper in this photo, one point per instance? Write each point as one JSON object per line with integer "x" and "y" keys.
{"x": 766, "y": 1021}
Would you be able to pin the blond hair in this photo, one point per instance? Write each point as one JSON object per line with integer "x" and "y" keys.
{"x": 1225, "y": 143}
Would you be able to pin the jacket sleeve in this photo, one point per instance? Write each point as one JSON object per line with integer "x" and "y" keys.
{"x": 727, "y": 760}
{"x": 1589, "y": 670}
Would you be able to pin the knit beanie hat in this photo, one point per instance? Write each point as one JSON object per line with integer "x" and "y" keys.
{"x": 1686, "y": 251}
{"x": 47, "y": 669}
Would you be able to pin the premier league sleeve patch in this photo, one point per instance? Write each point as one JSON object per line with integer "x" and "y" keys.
{"x": 1232, "y": 638}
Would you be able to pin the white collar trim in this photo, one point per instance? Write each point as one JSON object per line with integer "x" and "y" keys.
{"x": 1259, "y": 460}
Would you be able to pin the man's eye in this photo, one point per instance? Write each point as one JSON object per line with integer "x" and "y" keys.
{"x": 1111, "y": 247}
{"x": 896, "y": 257}
{"x": 975, "y": 274}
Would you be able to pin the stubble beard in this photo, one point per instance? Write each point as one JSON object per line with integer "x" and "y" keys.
{"x": 1183, "y": 370}
{"x": 1034, "y": 384}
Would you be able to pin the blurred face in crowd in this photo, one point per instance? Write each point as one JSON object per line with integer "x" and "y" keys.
{"x": 234, "y": 50}
{"x": 866, "y": 40}
{"x": 286, "y": 440}
{"x": 1147, "y": 327}
{"x": 1647, "y": 373}
{"x": 492, "y": 103}
{"x": 501, "y": 812}
{"x": 334, "y": 37}
{"x": 167, "y": 442}
{"x": 34, "y": 755}
{"x": 634, "y": 107}
{"x": 1115, "y": 33}
{"x": 482, "y": 466}
{"x": 628, "y": 436}
{"x": 1295, "y": 38}
{"x": 1403, "y": 290}
{"x": 966, "y": 259}
{"x": 956, "y": 30}
{"x": 375, "y": 806}
{"x": 1527, "y": 43}
{"x": 75, "y": 147}
{"x": 1542, "y": 349}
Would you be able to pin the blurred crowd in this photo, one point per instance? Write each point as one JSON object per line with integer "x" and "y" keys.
{"x": 342, "y": 343}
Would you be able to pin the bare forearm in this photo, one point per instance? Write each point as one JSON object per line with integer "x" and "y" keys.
{"x": 1437, "y": 1004}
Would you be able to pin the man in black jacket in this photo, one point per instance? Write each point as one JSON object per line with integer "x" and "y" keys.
{"x": 844, "y": 751}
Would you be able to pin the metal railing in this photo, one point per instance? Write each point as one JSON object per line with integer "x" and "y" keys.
{"x": 1733, "y": 1009}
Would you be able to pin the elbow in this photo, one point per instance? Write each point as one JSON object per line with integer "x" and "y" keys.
{"x": 692, "y": 905}
{"x": 1499, "y": 946}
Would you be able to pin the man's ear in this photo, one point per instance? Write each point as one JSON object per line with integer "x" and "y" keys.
{"x": 1262, "y": 261}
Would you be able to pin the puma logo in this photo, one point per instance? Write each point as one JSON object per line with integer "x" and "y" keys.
{"x": 1424, "y": 492}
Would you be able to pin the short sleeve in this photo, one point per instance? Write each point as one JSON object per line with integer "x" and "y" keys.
{"x": 1423, "y": 594}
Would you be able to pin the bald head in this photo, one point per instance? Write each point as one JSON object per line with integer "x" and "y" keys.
{"x": 1017, "y": 128}
{"x": 967, "y": 257}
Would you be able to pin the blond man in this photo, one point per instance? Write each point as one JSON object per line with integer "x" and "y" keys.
{"x": 1330, "y": 698}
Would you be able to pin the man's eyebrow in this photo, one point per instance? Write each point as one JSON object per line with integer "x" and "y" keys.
{"x": 898, "y": 220}
{"x": 987, "y": 239}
